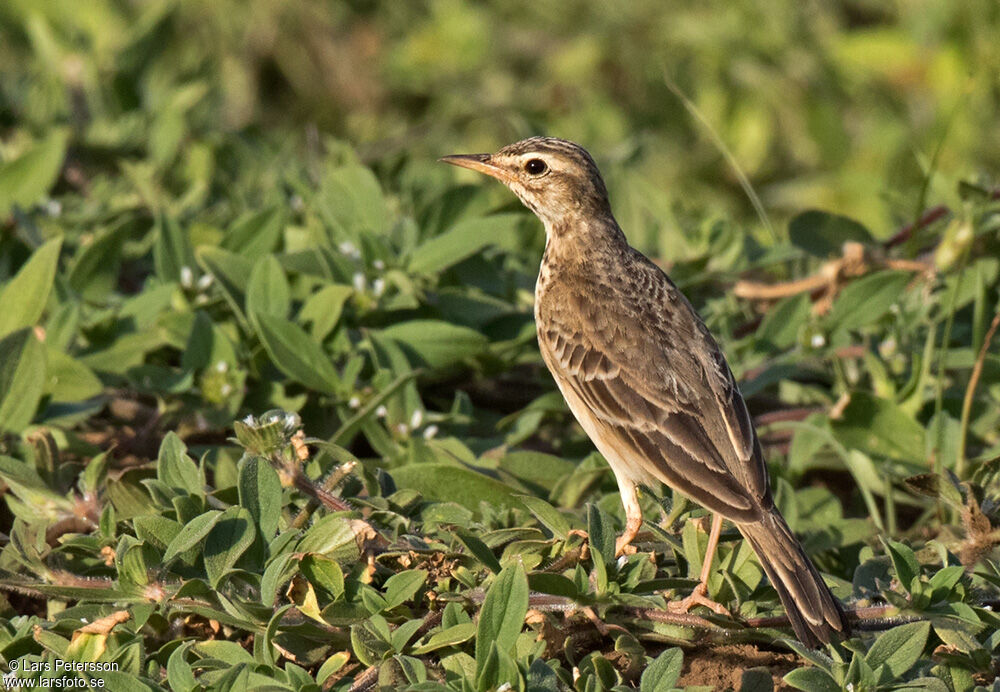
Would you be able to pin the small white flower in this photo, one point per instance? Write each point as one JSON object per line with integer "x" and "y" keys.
{"x": 378, "y": 287}
{"x": 416, "y": 418}
{"x": 348, "y": 248}
{"x": 818, "y": 341}
{"x": 402, "y": 429}
{"x": 379, "y": 265}
{"x": 205, "y": 281}
{"x": 849, "y": 687}
{"x": 222, "y": 366}
{"x": 53, "y": 207}
{"x": 504, "y": 687}
{"x": 296, "y": 203}
{"x": 292, "y": 421}
{"x": 226, "y": 389}
{"x": 354, "y": 402}
{"x": 381, "y": 412}
{"x": 358, "y": 280}
{"x": 430, "y": 432}
{"x": 187, "y": 277}
{"x": 249, "y": 420}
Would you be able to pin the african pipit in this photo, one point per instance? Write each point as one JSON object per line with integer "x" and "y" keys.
{"x": 644, "y": 377}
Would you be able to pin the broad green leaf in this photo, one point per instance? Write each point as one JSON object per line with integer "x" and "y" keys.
{"x": 192, "y": 533}
{"x": 176, "y": 469}
{"x": 297, "y": 355}
{"x": 323, "y": 572}
{"x": 903, "y": 560}
{"x": 811, "y": 680}
{"x": 451, "y": 636}
{"x": 880, "y": 428}
{"x": 898, "y": 649}
{"x": 601, "y": 532}
{"x": 823, "y": 234}
{"x": 22, "y": 379}
{"x": 548, "y": 515}
{"x": 464, "y": 239}
{"x": 323, "y": 309}
{"x": 479, "y": 549}
{"x": 867, "y": 299}
{"x": 402, "y": 586}
{"x": 226, "y": 651}
{"x": 229, "y": 538}
{"x": 450, "y": 483}
{"x": 179, "y": 672}
{"x": 25, "y": 180}
{"x": 257, "y": 234}
{"x": 781, "y": 324}
{"x": 260, "y": 492}
{"x": 24, "y": 297}
{"x": 67, "y": 379}
{"x": 661, "y": 675}
{"x": 435, "y": 343}
{"x": 351, "y": 199}
{"x": 502, "y": 615}
{"x": 332, "y": 535}
{"x": 268, "y": 291}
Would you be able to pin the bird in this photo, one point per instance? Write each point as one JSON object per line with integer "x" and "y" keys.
{"x": 646, "y": 380}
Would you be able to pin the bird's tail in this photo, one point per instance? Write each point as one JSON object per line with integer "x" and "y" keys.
{"x": 816, "y": 616}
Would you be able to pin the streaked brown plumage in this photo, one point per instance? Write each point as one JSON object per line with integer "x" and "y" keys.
{"x": 643, "y": 375}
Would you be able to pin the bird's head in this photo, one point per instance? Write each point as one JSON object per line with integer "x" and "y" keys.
{"x": 556, "y": 179}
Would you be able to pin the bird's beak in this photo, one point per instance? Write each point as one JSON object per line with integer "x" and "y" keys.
{"x": 481, "y": 163}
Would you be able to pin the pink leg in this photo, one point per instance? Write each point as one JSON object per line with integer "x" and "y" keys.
{"x": 699, "y": 595}
{"x": 633, "y": 519}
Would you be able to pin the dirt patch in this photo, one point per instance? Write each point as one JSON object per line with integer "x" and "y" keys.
{"x": 722, "y": 667}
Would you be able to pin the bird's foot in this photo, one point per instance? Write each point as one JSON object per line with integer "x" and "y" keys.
{"x": 623, "y": 546}
{"x": 698, "y": 597}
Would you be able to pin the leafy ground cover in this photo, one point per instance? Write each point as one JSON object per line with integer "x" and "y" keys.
{"x": 272, "y": 411}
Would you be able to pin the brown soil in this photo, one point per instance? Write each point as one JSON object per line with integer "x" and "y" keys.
{"x": 722, "y": 666}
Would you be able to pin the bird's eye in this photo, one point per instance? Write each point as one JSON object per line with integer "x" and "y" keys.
{"x": 535, "y": 166}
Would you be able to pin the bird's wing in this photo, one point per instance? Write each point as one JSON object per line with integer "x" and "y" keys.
{"x": 657, "y": 382}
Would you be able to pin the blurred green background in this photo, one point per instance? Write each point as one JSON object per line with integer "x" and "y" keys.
{"x": 838, "y": 105}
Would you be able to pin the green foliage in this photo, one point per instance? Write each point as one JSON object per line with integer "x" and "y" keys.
{"x": 222, "y": 224}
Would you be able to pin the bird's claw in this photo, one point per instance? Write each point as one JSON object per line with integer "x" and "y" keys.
{"x": 698, "y": 597}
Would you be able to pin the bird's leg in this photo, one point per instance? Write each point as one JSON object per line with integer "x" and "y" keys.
{"x": 699, "y": 595}
{"x": 633, "y": 519}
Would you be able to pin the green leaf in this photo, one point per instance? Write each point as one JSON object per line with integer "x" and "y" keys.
{"x": 22, "y": 379}
{"x": 332, "y": 535}
{"x": 175, "y": 468}
{"x": 823, "y": 234}
{"x": 661, "y": 675}
{"x": 24, "y": 297}
{"x": 479, "y": 549}
{"x": 324, "y": 573}
{"x": 450, "y": 636}
{"x": 231, "y": 272}
{"x": 502, "y": 615}
{"x": 351, "y": 199}
{"x": 402, "y": 586}
{"x": 192, "y": 533}
{"x": 28, "y": 178}
{"x": 867, "y": 299}
{"x": 548, "y": 515}
{"x": 811, "y": 680}
{"x": 898, "y": 649}
{"x": 255, "y": 235}
{"x": 296, "y": 355}
{"x": 172, "y": 254}
{"x": 903, "y": 560}
{"x": 179, "y": 672}
{"x": 463, "y": 240}
{"x": 229, "y": 538}
{"x": 880, "y": 428}
{"x": 324, "y": 308}
{"x": 781, "y": 324}
{"x": 68, "y": 380}
{"x": 260, "y": 492}
{"x": 450, "y": 483}
{"x": 435, "y": 343}
{"x": 268, "y": 292}
{"x": 601, "y": 532}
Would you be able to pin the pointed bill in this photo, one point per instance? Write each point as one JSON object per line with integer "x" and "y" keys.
{"x": 480, "y": 163}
